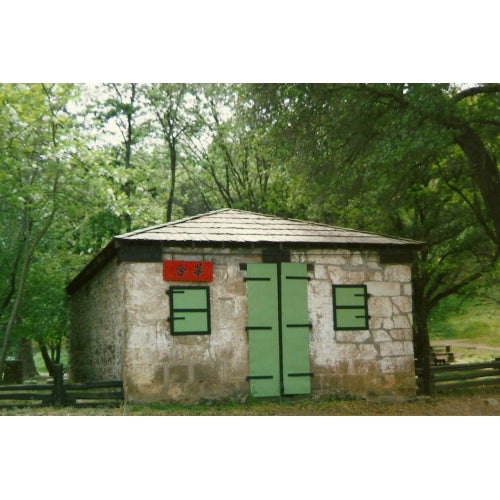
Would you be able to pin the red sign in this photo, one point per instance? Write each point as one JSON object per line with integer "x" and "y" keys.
{"x": 188, "y": 270}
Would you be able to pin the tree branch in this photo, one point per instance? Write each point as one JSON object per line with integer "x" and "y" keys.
{"x": 453, "y": 289}
{"x": 485, "y": 121}
{"x": 470, "y": 92}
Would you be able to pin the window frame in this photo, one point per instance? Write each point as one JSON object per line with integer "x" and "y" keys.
{"x": 172, "y": 320}
{"x": 363, "y": 307}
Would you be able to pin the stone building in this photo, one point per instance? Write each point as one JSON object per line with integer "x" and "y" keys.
{"x": 231, "y": 303}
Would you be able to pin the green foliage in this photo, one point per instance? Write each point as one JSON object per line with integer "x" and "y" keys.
{"x": 36, "y": 179}
{"x": 397, "y": 159}
{"x": 99, "y": 160}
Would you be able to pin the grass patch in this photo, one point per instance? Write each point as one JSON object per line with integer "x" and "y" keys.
{"x": 474, "y": 320}
{"x": 474, "y": 355}
{"x": 456, "y": 402}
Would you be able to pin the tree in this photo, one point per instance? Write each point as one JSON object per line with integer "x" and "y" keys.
{"x": 232, "y": 159}
{"x": 123, "y": 107}
{"x": 412, "y": 159}
{"x": 34, "y": 145}
{"x": 173, "y": 107}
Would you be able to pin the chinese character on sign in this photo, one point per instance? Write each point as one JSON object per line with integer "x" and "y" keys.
{"x": 188, "y": 270}
{"x": 198, "y": 269}
{"x": 180, "y": 270}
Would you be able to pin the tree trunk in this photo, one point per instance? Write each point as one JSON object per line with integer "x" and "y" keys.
{"x": 485, "y": 173}
{"x": 173, "y": 168}
{"x": 47, "y": 359}
{"x": 128, "y": 152}
{"x": 421, "y": 339}
{"x": 24, "y": 353}
{"x": 15, "y": 306}
{"x": 28, "y": 254}
{"x": 12, "y": 282}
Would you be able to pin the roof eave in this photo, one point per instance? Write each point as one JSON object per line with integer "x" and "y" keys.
{"x": 93, "y": 267}
{"x": 111, "y": 250}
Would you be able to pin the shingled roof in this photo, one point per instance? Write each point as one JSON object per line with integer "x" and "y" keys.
{"x": 232, "y": 228}
{"x": 238, "y": 226}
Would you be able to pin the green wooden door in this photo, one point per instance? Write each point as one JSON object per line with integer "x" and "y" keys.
{"x": 278, "y": 329}
{"x": 295, "y": 329}
{"x": 263, "y": 329}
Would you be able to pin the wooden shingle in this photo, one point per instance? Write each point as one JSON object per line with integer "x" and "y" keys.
{"x": 238, "y": 226}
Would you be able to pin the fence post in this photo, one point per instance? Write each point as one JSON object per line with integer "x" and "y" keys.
{"x": 58, "y": 390}
{"x": 428, "y": 382}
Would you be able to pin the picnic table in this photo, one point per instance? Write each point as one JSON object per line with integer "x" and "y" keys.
{"x": 442, "y": 357}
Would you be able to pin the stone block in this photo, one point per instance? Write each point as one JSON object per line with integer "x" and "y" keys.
{"x": 374, "y": 264}
{"x": 384, "y": 288}
{"x": 375, "y": 323}
{"x": 402, "y": 304}
{"x": 388, "y": 323}
{"x": 178, "y": 373}
{"x": 394, "y": 348}
{"x": 139, "y": 356}
{"x": 381, "y": 336}
{"x": 398, "y": 365}
{"x": 352, "y": 351}
{"x": 206, "y": 372}
{"x": 349, "y": 277}
{"x": 402, "y": 321}
{"x": 374, "y": 275}
{"x": 321, "y": 272}
{"x": 176, "y": 391}
{"x": 397, "y": 272}
{"x": 328, "y": 257}
{"x": 380, "y": 306}
{"x": 408, "y": 348}
{"x": 354, "y": 336}
{"x": 146, "y": 374}
{"x": 141, "y": 337}
{"x": 402, "y": 334}
{"x": 356, "y": 260}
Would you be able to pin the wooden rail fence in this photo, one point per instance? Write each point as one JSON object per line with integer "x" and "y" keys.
{"x": 61, "y": 393}
{"x": 459, "y": 375}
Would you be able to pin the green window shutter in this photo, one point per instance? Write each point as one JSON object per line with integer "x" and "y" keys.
{"x": 350, "y": 307}
{"x": 295, "y": 329}
{"x": 189, "y": 310}
{"x": 263, "y": 329}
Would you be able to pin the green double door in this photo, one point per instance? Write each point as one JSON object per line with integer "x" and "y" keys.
{"x": 278, "y": 329}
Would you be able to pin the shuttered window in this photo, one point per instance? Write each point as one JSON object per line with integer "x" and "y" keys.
{"x": 189, "y": 310}
{"x": 350, "y": 307}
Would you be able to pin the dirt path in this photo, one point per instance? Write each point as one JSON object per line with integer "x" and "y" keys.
{"x": 463, "y": 343}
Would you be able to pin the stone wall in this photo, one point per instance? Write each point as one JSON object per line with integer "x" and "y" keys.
{"x": 378, "y": 361}
{"x": 120, "y": 329}
{"x": 97, "y": 326}
{"x": 159, "y": 366}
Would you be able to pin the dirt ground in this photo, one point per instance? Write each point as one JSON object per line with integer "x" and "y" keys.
{"x": 477, "y": 402}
